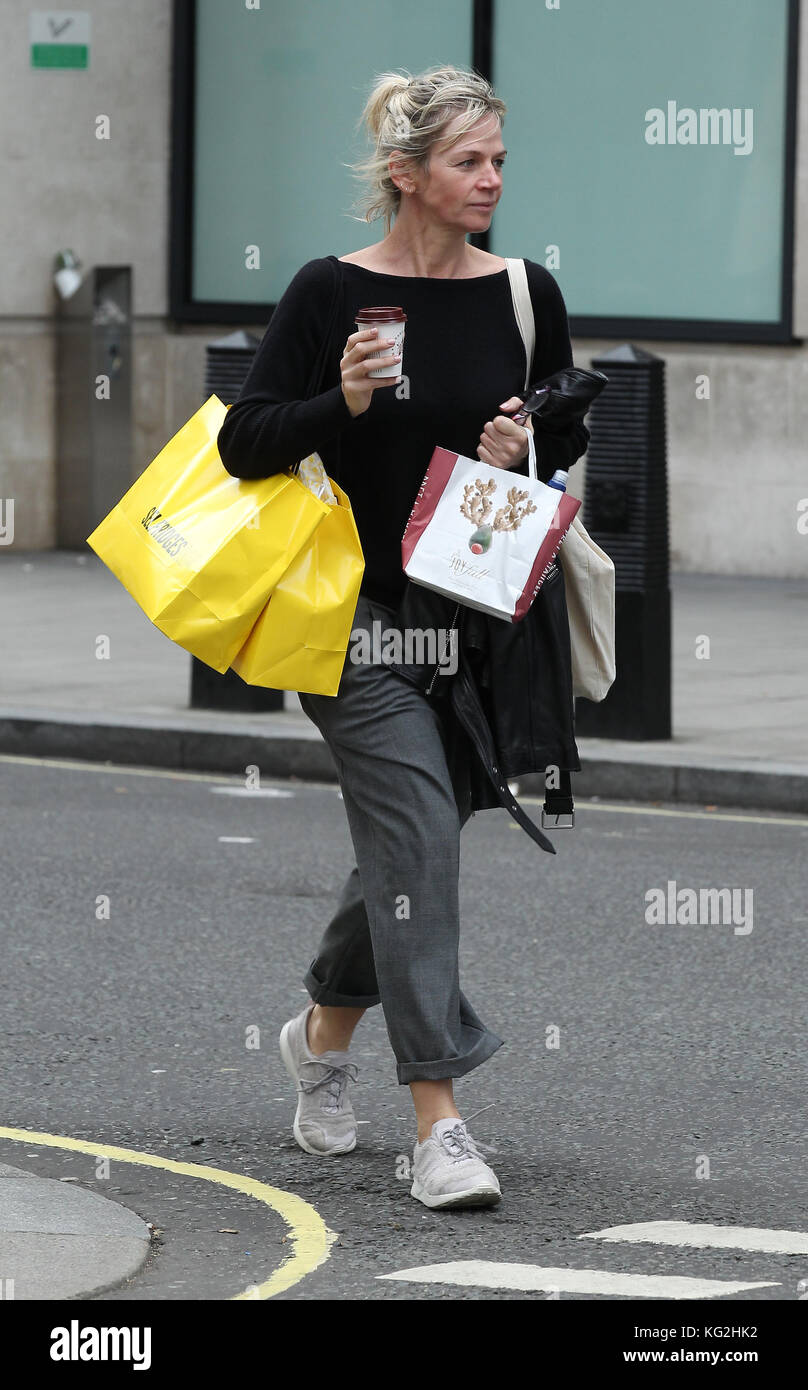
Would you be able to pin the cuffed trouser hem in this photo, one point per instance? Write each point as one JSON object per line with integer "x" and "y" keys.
{"x": 451, "y": 1066}
{"x": 321, "y": 994}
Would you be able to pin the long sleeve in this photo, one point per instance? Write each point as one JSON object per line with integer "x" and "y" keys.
{"x": 272, "y": 425}
{"x": 557, "y": 447}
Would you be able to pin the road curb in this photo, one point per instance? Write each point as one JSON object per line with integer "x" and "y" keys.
{"x": 196, "y": 749}
{"x": 197, "y": 745}
{"x": 59, "y": 1241}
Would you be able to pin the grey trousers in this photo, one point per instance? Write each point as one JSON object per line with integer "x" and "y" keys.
{"x": 394, "y": 936}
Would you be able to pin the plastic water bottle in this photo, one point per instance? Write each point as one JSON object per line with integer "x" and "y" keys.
{"x": 559, "y": 480}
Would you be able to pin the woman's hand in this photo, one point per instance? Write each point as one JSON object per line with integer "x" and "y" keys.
{"x": 502, "y": 443}
{"x": 357, "y": 386}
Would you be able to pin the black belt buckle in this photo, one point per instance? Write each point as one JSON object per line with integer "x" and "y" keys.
{"x": 557, "y": 820}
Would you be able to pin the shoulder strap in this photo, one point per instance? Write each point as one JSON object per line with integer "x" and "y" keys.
{"x": 523, "y": 309}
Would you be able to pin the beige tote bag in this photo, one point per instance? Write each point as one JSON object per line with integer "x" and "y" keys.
{"x": 589, "y": 580}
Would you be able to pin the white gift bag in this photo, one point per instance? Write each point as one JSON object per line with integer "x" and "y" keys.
{"x": 485, "y": 536}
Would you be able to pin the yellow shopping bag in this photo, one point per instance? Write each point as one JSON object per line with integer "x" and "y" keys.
{"x": 300, "y": 640}
{"x": 200, "y": 550}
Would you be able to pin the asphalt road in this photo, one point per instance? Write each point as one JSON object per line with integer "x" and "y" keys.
{"x": 676, "y": 1091}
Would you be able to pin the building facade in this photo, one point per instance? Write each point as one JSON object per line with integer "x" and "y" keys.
{"x": 88, "y": 160}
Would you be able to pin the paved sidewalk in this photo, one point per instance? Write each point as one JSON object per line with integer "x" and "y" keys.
{"x": 59, "y": 1241}
{"x": 740, "y": 725}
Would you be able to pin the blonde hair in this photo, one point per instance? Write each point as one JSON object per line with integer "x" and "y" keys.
{"x": 411, "y": 114}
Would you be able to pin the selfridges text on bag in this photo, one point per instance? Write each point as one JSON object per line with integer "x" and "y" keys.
{"x": 200, "y": 550}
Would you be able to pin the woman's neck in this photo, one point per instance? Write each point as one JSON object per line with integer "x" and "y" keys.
{"x": 412, "y": 247}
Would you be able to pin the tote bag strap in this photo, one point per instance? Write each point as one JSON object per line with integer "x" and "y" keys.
{"x": 523, "y": 309}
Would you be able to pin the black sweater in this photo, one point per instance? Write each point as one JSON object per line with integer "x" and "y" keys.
{"x": 462, "y": 356}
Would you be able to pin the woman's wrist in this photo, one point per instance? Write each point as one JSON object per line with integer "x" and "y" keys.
{"x": 353, "y": 413}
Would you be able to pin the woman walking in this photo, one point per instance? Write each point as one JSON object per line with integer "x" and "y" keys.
{"x": 435, "y": 176}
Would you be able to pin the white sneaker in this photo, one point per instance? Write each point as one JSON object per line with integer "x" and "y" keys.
{"x": 325, "y": 1122}
{"x": 448, "y": 1170}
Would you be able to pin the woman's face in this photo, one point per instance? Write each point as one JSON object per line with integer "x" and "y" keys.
{"x": 464, "y": 181}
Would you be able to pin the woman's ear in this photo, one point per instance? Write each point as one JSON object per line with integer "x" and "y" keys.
{"x": 401, "y": 172}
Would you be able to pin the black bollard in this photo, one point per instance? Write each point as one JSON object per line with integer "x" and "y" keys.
{"x": 626, "y": 512}
{"x": 228, "y": 360}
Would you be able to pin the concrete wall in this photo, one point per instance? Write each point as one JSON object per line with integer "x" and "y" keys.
{"x": 106, "y": 199}
{"x": 738, "y": 462}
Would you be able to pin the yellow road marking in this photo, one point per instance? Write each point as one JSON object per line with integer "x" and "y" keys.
{"x": 310, "y": 1237}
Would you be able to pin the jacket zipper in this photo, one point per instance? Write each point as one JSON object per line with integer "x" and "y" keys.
{"x": 437, "y": 668}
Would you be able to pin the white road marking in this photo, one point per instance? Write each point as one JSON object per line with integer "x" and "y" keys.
{"x": 236, "y": 839}
{"x": 250, "y": 791}
{"x": 490, "y": 1274}
{"x": 707, "y": 1237}
{"x": 310, "y": 784}
{"x": 120, "y": 769}
{"x": 627, "y": 810}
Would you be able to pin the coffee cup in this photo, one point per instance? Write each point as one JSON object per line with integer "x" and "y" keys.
{"x": 390, "y": 320}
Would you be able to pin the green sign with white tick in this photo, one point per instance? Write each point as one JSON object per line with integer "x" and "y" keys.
{"x": 60, "y": 38}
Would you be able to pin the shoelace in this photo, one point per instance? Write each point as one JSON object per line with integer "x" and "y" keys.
{"x": 335, "y": 1079}
{"x": 458, "y": 1144}
{"x": 472, "y": 1148}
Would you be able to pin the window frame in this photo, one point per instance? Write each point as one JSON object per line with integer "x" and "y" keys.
{"x": 184, "y": 308}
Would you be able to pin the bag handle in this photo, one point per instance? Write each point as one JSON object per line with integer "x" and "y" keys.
{"x": 533, "y": 472}
{"x": 523, "y": 310}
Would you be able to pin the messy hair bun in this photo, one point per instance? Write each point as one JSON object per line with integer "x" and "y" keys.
{"x": 411, "y": 114}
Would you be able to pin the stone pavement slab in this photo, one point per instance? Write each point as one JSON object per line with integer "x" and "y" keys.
{"x": 60, "y": 1240}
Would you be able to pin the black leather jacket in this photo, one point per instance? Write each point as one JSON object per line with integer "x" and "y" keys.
{"x": 508, "y": 709}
